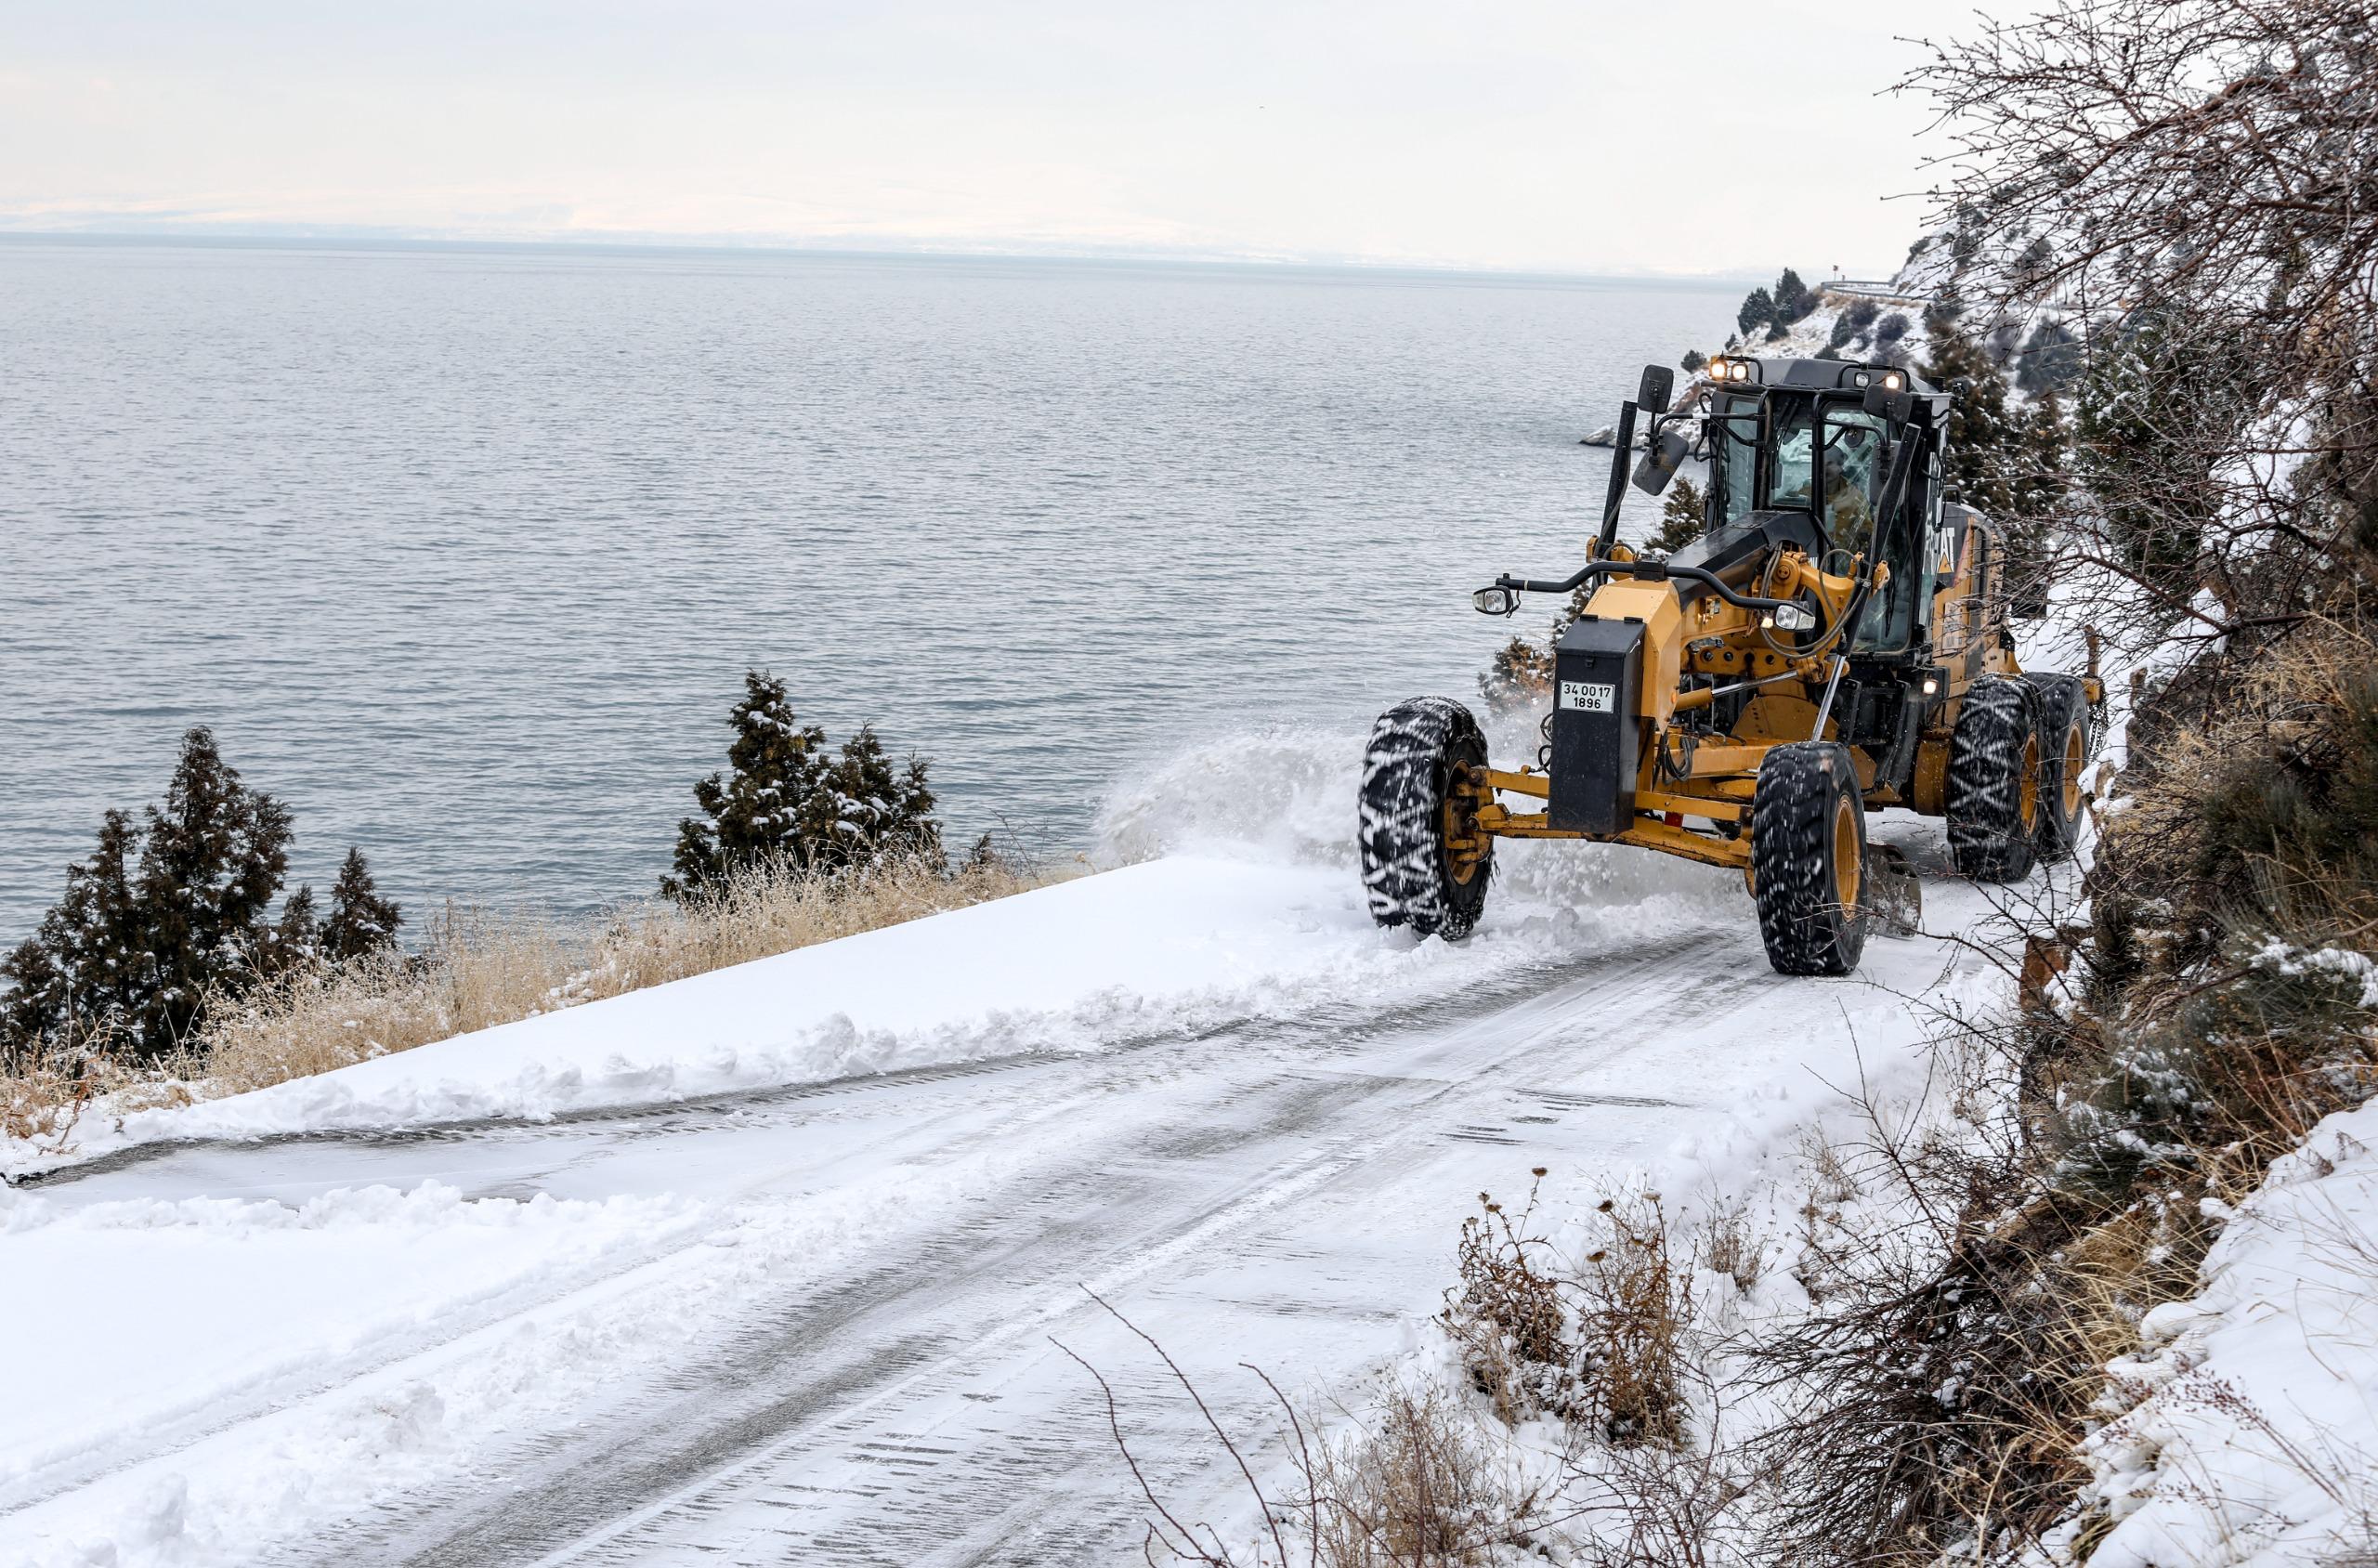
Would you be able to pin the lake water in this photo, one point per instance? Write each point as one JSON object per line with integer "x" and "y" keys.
{"x": 463, "y": 552}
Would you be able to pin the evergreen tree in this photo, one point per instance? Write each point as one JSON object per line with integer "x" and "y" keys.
{"x": 79, "y": 978}
{"x": 2156, "y": 408}
{"x": 2039, "y": 478}
{"x": 1793, "y": 298}
{"x": 1681, "y": 519}
{"x": 861, "y": 808}
{"x": 751, "y": 815}
{"x": 2050, "y": 360}
{"x": 2036, "y": 258}
{"x": 1519, "y": 674}
{"x": 1693, "y": 359}
{"x": 1759, "y": 311}
{"x": 786, "y": 803}
{"x": 1982, "y": 455}
{"x": 297, "y": 937}
{"x": 158, "y": 918}
{"x": 361, "y": 920}
{"x": 2042, "y": 475}
{"x": 212, "y": 859}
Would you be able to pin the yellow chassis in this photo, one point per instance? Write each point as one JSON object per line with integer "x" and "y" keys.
{"x": 1712, "y": 781}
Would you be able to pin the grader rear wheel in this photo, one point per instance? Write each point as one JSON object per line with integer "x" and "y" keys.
{"x": 1992, "y": 794}
{"x": 1426, "y": 864}
{"x": 2064, "y": 756}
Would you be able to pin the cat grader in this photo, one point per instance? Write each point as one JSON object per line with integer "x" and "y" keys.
{"x": 1835, "y": 643}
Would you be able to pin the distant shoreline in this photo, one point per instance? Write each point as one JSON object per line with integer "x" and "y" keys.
{"x": 396, "y": 243}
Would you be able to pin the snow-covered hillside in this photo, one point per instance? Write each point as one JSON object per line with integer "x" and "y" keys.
{"x": 1883, "y": 320}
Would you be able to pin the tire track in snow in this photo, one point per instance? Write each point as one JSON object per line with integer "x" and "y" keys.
{"x": 912, "y": 1411}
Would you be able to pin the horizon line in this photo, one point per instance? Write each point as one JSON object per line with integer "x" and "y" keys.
{"x": 325, "y": 236}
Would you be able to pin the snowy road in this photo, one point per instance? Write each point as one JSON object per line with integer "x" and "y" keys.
{"x": 822, "y": 1325}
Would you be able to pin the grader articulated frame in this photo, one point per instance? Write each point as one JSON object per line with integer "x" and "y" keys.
{"x": 1836, "y": 643}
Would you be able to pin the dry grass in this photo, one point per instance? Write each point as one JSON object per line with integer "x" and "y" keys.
{"x": 1599, "y": 1339}
{"x": 481, "y": 968}
{"x": 46, "y": 1102}
{"x": 1414, "y": 1488}
{"x": 1636, "y": 1311}
{"x": 1729, "y": 1246}
{"x": 1507, "y": 1316}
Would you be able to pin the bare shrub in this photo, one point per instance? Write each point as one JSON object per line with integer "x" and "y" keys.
{"x": 1414, "y": 1488}
{"x": 1730, "y": 1247}
{"x": 45, "y": 1102}
{"x": 1975, "y": 1294}
{"x": 1636, "y": 1307}
{"x": 1507, "y": 1315}
{"x": 1598, "y": 1339}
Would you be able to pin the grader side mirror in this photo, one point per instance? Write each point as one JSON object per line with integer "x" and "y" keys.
{"x": 1661, "y": 460}
{"x": 1658, "y": 387}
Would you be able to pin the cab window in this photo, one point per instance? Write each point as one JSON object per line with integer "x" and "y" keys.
{"x": 1734, "y": 454}
{"x": 1788, "y": 482}
{"x": 1850, "y": 480}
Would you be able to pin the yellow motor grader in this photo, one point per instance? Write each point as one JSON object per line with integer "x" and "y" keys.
{"x": 1835, "y": 643}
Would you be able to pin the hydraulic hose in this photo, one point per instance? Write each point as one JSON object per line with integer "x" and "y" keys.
{"x": 1649, "y": 571}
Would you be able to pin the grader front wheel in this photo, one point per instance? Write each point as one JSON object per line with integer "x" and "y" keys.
{"x": 1808, "y": 851}
{"x": 1426, "y": 864}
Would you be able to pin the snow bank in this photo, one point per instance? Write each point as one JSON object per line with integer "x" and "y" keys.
{"x": 262, "y": 1298}
{"x": 317, "y": 1361}
{"x": 2247, "y": 1431}
{"x": 1170, "y": 947}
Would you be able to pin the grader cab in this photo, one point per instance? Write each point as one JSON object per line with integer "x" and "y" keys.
{"x": 1835, "y": 643}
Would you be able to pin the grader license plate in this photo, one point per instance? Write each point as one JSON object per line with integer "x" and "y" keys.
{"x": 1588, "y": 697}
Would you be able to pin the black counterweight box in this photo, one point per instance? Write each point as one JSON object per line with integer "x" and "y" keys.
{"x": 1597, "y": 673}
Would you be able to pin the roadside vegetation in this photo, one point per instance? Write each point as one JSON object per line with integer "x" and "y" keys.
{"x": 165, "y": 975}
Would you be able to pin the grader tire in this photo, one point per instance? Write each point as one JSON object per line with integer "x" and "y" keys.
{"x": 1992, "y": 790}
{"x": 1807, "y": 854}
{"x": 1421, "y": 773}
{"x": 2064, "y": 755}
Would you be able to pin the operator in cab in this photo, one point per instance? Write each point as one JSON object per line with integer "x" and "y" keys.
{"x": 1848, "y": 520}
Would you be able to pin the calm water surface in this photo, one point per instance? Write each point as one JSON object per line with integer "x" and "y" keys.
{"x": 463, "y": 553}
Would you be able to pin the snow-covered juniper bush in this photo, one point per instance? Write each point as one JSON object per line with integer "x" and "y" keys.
{"x": 785, "y": 800}
{"x": 171, "y": 911}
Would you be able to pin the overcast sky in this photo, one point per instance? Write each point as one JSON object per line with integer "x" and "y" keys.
{"x": 1717, "y": 136}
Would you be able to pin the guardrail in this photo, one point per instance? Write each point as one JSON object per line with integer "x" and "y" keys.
{"x": 1872, "y": 288}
